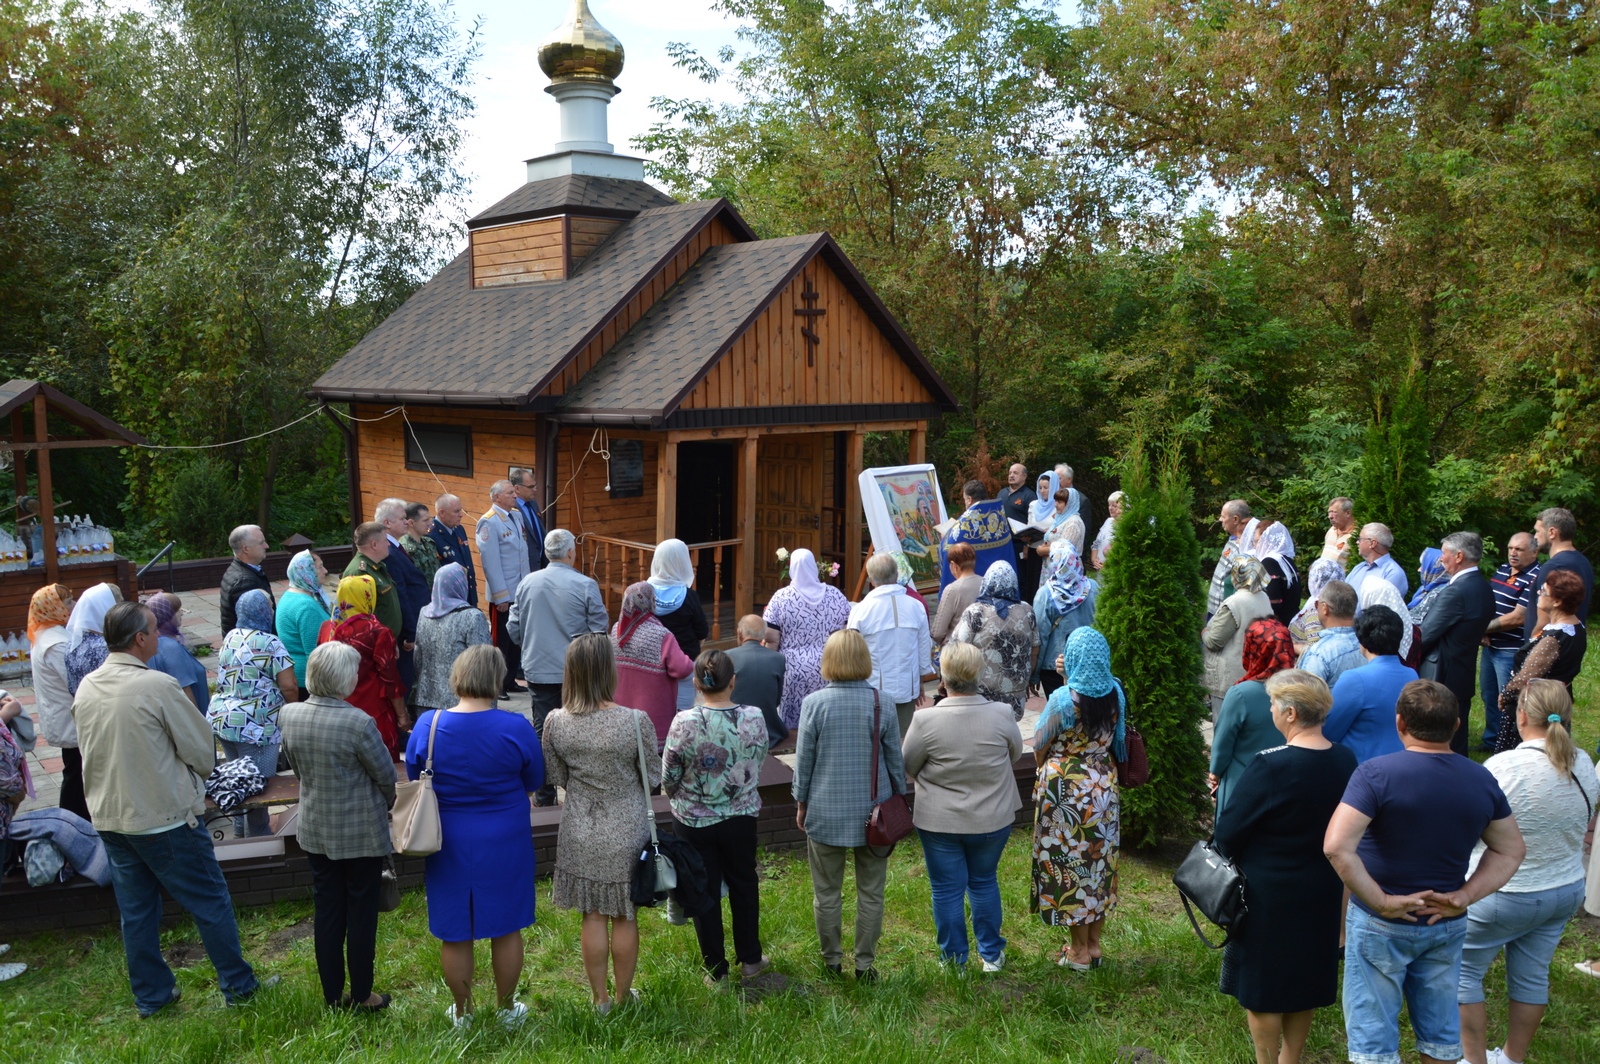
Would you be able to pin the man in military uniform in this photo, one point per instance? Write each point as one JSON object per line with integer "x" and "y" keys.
{"x": 502, "y": 547}
{"x": 451, "y": 540}
{"x": 372, "y": 547}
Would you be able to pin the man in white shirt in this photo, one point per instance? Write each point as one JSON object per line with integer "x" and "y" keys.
{"x": 895, "y": 627}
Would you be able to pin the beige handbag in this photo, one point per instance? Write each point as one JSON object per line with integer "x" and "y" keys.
{"x": 414, "y": 823}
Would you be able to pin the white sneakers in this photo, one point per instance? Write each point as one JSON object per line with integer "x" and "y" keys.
{"x": 990, "y": 967}
{"x": 513, "y": 1017}
{"x": 1494, "y": 1056}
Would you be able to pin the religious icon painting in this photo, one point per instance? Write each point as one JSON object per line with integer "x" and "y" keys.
{"x": 904, "y": 509}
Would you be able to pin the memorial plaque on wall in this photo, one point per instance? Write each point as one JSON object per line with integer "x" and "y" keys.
{"x": 627, "y": 469}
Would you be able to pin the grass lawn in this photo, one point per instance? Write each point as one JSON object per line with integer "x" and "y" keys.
{"x": 1157, "y": 990}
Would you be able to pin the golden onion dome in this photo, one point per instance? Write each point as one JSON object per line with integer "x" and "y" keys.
{"x": 581, "y": 49}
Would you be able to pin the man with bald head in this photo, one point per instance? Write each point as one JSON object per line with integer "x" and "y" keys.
{"x": 1240, "y": 527}
{"x": 1504, "y": 636}
{"x": 450, "y": 538}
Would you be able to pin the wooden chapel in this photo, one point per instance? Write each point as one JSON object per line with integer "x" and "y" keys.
{"x": 663, "y": 371}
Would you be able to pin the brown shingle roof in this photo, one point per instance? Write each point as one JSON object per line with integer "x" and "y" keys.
{"x": 653, "y": 368}
{"x": 452, "y": 343}
{"x": 574, "y": 194}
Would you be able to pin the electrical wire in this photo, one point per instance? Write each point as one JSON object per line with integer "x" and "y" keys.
{"x": 230, "y": 443}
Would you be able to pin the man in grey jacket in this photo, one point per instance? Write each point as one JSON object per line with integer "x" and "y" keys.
{"x": 146, "y": 755}
{"x": 552, "y": 607}
{"x": 505, "y": 563}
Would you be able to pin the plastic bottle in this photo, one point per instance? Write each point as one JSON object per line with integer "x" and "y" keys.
{"x": 36, "y": 541}
{"x": 27, "y": 651}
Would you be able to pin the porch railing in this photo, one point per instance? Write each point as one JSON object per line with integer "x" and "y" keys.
{"x": 615, "y": 563}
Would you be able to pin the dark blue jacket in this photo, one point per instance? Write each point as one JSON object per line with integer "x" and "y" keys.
{"x": 535, "y": 535}
{"x": 413, "y": 590}
{"x": 455, "y": 546}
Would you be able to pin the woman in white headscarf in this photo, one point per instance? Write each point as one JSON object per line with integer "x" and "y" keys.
{"x": 86, "y": 646}
{"x": 804, "y": 613}
{"x": 1274, "y": 548}
{"x": 1305, "y": 628}
{"x": 678, "y": 606}
{"x": 1379, "y": 592}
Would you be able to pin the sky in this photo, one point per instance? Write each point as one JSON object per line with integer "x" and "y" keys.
{"x": 517, "y": 120}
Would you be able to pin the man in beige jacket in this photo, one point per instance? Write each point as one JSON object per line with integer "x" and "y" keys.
{"x": 146, "y": 755}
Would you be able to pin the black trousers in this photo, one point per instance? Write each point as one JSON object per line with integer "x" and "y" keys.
{"x": 545, "y": 697}
{"x": 72, "y": 799}
{"x": 507, "y": 646}
{"x": 728, "y": 848}
{"x": 346, "y": 897}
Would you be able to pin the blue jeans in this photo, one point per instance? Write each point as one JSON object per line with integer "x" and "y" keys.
{"x": 1529, "y": 927}
{"x": 1494, "y": 672}
{"x": 1387, "y": 962}
{"x": 962, "y": 867}
{"x": 183, "y": 861}
{"x": 255, "y": 821}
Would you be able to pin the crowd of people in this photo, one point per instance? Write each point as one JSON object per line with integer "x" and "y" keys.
{"x": 1339, "y": 717}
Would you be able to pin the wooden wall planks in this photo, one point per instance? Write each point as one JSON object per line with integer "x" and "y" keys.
{"x": 514, "y": 254}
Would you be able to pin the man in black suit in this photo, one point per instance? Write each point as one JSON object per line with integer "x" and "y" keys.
{"x": 409, "y": 583}
{"x": 1454, "y": 626}
{"x": 758, "y": 675}
{"x": 249, "y": 547}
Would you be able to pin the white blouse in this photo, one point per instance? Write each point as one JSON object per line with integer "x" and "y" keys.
{"x": 1551, "y": 813}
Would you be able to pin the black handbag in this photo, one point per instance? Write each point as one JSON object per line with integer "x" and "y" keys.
{"x": 653, "y": 873}
{"x": 388, "y": 887}
{"x": 1216, "y": 887}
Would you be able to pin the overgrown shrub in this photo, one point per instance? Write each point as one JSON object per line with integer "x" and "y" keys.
{"x": 203, "y": 504}
{"x": 1151, "y": 608}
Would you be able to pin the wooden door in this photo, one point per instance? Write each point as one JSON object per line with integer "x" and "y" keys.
{"x": 788, "y": 503}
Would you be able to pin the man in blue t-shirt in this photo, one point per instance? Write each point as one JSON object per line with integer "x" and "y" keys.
{"x": 1400, "y": 840}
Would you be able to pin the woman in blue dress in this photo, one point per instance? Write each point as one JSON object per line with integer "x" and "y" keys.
{"x": 486, "y": 764}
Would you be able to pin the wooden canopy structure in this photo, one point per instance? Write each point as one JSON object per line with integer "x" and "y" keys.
{"x": 663, "y": 371}
{"x": 19, "y": 399}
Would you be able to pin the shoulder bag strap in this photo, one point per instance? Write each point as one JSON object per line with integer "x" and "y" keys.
{"x": 877, "y": 742}
{"x": 433, "y": 727}
{"x": 644, "y": 780}
{"x": 1196, "y": 925}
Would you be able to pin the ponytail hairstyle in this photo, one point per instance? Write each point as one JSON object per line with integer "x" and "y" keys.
{"x": 1549, "y": 706}
{"x": 713, "y": 671}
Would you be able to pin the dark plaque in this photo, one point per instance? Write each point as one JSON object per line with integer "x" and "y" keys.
{"x": 627, "y": 469}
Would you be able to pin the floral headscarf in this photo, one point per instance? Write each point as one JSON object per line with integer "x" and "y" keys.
{"x": 638, "y": 606}
{"x": 1063, "y": 575}
{"x": 1249, "y": 574}
{"x": 356, "y": 595}
{"x": 1267, "y": 650}
{"x": 1376, "y": 591}
{"x": 671, "y": 574}
{"x": 253, "y": 611}
{"x": 166, "y": 613}
{"x": 449, "y": 591}
{"x": 1086, "y": 662}
{"x": 1324, "y": 571}
{"x": 303, "y": 577}
{"x": 48, "y": 609}
{"x": 1433, "y": 575}
{"x": 905, "y": 575}
{"x": 803, "y": 576}
{"x": 999, "y": 588}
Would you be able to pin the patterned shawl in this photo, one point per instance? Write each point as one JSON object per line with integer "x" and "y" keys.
{"x": 637, "y": 636}
{"x": 357, "y": 595}
{"x": 1275, "y": 543}
{"x": 449, "y": 591}
{"x": 1063, "y": 575}
{"x": 1267, "y": 650}
{"x": 638, "y": 606}
{"x": 1323, "y": 572}
{"x": 253, "y": 611}
{"x": 999, "y": 588}
{"x": 1376, "y": 591}
{"x": 1433, "y": 576}
{"x": 166, "y": 615}
{"x": 1249, "y": 574}
{"x": 671, "y": 574}
{"x": 48, "y": 609}
{"x": 303, "y": 577}
{"x": 1086, "y": 660}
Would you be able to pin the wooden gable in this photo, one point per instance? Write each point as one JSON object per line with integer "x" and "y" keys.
{"x": 772, "y": 363}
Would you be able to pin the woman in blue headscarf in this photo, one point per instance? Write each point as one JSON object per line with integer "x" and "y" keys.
{"x": 1005, "y": 632}
{"x": 1434, "y": 580}
{"x": 301, "y": 614}
{"x": 1064, "y": 602}
{"x": 1077, "y": 818}
{"x": 255, "y": 678}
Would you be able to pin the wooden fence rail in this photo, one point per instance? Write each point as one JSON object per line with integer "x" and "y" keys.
{"x": 615, "y": 563}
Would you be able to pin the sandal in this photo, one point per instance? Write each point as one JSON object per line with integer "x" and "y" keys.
{"x": 1064, "y": 959}
{"x": 1588, "y": 968}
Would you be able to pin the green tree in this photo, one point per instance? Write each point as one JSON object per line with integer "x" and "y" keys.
{"x": 1150, "y": 609}
{"x": 1396, "y": 483}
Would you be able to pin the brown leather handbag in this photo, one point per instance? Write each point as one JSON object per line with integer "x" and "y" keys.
{"x": 890, "y": 819}
{"x": 1135, "y": 770}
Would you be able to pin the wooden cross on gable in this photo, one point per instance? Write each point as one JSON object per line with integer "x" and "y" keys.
{"x": 811, "y": 312}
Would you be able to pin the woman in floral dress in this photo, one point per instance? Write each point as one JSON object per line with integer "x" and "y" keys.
{"x": 1000, "y": 626}
{"x": 255, "y": 677}
{"x": 1077, "y": 819}
{"x": 805, "y": 613}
